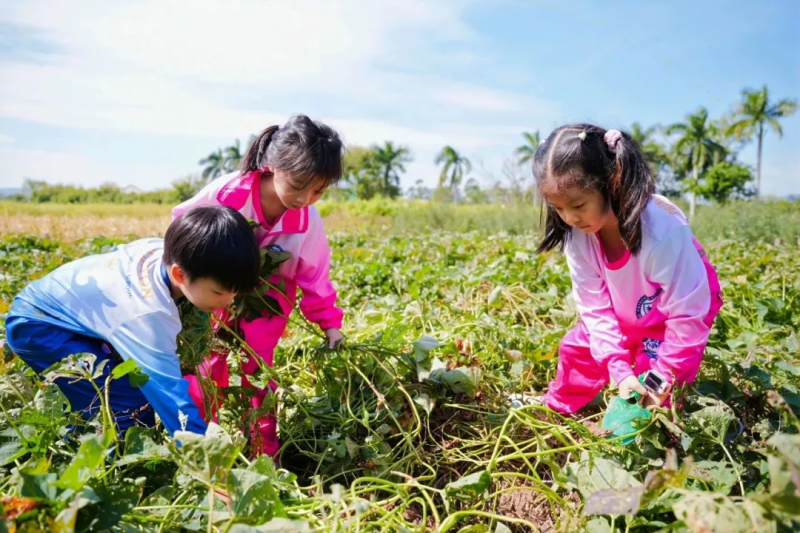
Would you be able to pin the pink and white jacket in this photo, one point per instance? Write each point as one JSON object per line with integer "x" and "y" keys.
{"x": 666, "y": 296}
{"x": 298, "y": 231}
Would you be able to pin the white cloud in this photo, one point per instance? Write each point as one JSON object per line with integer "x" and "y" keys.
{"x": 63, "y": 167}
{"x": 227, "y": 69}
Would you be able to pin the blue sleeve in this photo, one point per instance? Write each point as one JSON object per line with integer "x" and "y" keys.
{"x": 148, "y": 340}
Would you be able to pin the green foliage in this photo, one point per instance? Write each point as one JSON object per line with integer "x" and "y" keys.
{"x": 754, "y": 116}
{"x": 407, "y": 426}
{"x": 526, "y": 151}
{"x": 454, "y": 167}
{"x": 726, "y": 180}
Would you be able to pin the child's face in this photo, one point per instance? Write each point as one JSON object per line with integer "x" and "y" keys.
{"x": 580, "y": 208}
{"x": 296, "y": 194}
{"x": 204, "y": 293}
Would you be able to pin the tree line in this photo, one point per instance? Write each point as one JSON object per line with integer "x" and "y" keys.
{"x": 697, "y": 156}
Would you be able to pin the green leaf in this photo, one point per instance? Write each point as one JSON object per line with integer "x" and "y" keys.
{"x": 784, "y": 473}
{"x": 720, "y": 475}
{"x": 51, "y": 402}
{"x": 791, "y": 369}
{"x": 257, "y": 303}
{"x": 469, "y": 486}
{"x": 123, "y": 369}
{"x": 425, "y": 402}
{"x": 252, "y": 496}
{"x": 598, "y": 524}
{"x": 139, "y": 447}
{"x": 629, "y": 501}
{"x": 787, "y": 445}
{"x": 99, "y": 368}
{"x": 614, "y": 502}
{"x": 427, "y": 366}
{"x": 713, "y": 420}
{"x": 11, "y": 451}
{"x": 592, "y": 475}
{"x": 66, "y": 520}
{"x": 207, "y": 457}
{"x": 84, "y": 466}
{"x": 494, "y": 296}
{"x": 707, "y": 511}
{"x": 501, "y": 528}
{"x": 461, "y": 380}
{"x": 426, "y": 343}
{"x": 38, "y": 486}
{"x": 115, "y": 502}
{"x": 137, "y": 378}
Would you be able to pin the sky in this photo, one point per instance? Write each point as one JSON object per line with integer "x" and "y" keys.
{"x": 138, "y": 91}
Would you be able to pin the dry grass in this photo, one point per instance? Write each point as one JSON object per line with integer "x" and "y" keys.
{"x": 71, "y": 223}
{"x": 76, "y": 222}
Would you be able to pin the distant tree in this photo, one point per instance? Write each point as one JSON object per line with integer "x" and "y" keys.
{"x": 726, "y": 180}
{"x": 697, "y": 143}
{"x": 754, "y": 116}
{"x": 526, "y": 151}
{"x": 454, "y": 166}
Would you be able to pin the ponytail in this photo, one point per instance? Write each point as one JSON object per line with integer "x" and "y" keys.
{"x": 256, "y": 156}
{"x": 630, "y": 188}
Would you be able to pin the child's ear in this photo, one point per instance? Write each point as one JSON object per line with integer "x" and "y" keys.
{"x": 178, "y": 274}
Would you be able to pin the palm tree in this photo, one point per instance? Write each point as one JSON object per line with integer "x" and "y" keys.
{"x": 454, "y": 166}
{"x": 754, "y": 115}
{"x": 233, "y": 156}
{"x": 214, "y": 165}
{"x": 390, "y": 160}
{"x": 653, "y": 152}
{"x": 644, "y": 138}
{"x": 526, "y": 151}
{"x": 697, "y": 142}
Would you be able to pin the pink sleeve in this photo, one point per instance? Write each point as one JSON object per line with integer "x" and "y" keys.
{"x": 676, "y": 266}
{"x": 318, "y": 303}
{"x": 206, "y": 196}
{"x": 593, "y": 301}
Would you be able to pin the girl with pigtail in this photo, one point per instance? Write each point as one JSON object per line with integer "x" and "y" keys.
{"x": 285, "y": 171}
{"x": 645, "y": 291}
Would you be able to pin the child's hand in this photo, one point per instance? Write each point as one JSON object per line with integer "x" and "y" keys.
{"x": 629, "y": 385}
{"x": 656, "y": 399}
{"x": 334, "y": 337}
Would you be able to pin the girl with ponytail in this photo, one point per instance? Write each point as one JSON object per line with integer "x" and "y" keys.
{"x": 284, "y": 172}
{"x": 643, "y": 286}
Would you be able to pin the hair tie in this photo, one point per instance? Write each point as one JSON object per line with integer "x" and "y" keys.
{"x": 611, "y": 138}
{"x": 542, "y": 142}
{"x": 582, "y": 136}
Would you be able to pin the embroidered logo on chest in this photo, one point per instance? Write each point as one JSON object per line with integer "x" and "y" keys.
{"x": 645, "y": 304}
{"x": 650, "y": 347}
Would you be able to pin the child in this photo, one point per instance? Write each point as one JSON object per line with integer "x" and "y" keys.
{"x": 645, "y": 291}
{"x": 284, "y": 172}
{"x": 123, "y": 304}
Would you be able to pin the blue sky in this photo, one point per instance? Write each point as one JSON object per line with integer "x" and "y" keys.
{"x": 137, "y": 91}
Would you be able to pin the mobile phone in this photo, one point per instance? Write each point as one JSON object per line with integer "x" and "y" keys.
{"x": 655, "y": 382}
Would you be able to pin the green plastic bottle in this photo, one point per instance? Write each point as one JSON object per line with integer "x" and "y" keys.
{"x": 622, "y": 412}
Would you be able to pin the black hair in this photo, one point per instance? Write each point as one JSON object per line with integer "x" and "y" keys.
{"x": 306, "y": 149}
{"x": 214, "y": 242}
{"x": 577, "y": 156}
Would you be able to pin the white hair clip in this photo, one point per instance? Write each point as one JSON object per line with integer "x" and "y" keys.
{"x": 582, "y": 136}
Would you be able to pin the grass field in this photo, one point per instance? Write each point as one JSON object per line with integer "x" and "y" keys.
{"x": 408, "y": 428}
{"x": 744, "y": 221}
